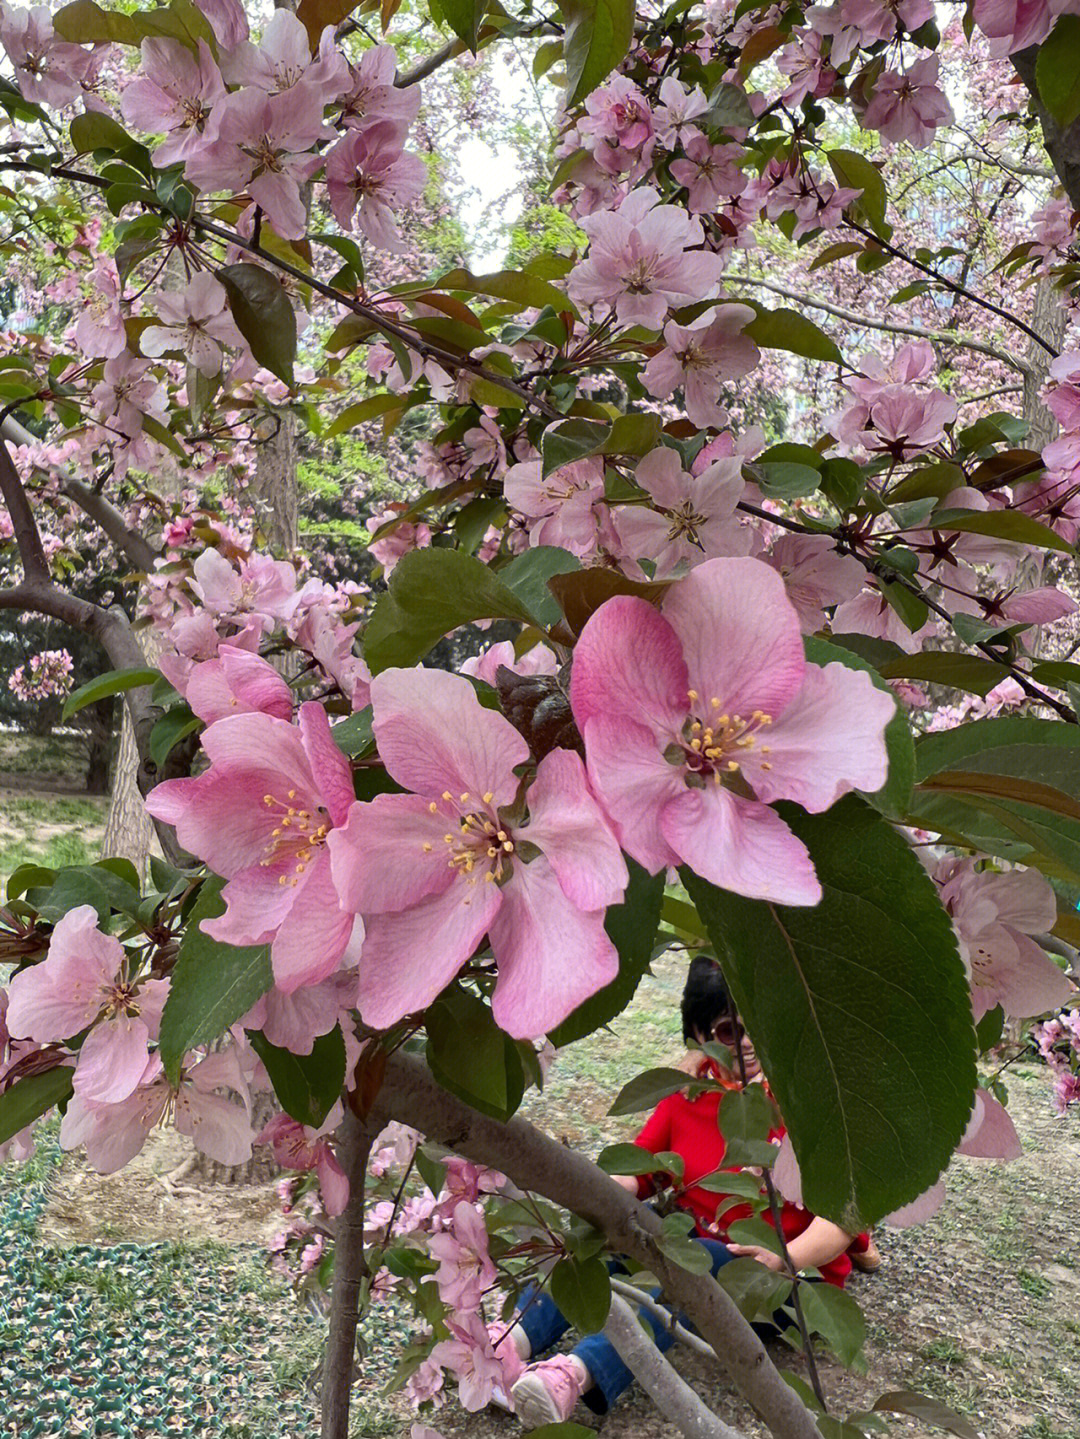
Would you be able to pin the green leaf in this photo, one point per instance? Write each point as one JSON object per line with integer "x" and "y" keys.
{"x": 729, "y": 108}
{"x": 582, "y": 1291}
{"x": 930, "y": 1411}
{"x": 84, "y": 23}
{"x": 1002, "y": 524}
{"x": 430, "y": 593}
{"x": 260, "y": 306}
{"x": 307, "y": 1085}
{"x": 788, "y": 330}
{"x": 213, "y": 984}
{"x": 687, "y": 1253}
{"x": 837, "y": 1317}
{"x": 567, "y": 1430}
{"x": 855, "y": 172}
{"x": 97, "y": 131}
{"x": 528, "y": 291}
{"x": 758, "y": 1292}
{"x": 28, "y": 1099}
{"x": 894, "y": 796}
{"x": 527, "y": 576}
{"x": 369, "y": 409}
{"x": 1057, "y": 73}
{"x": 859, "y": 1010}
{"x": 464, "y": 17}
{"x": 113, "y": 682}
{"x": 571, "y": 440}
{"x": 627, "y": 1159}
{"x": 972, "y": 673}
{"x": 598, "y": 35}
{"x": 745, "y": 1119}
{"x": 631, "y": 927}
{"x": 471, "y": 1056}
{"x": 354, "y": 735}
{"x": 646, "y": 1090}
{"x": 173, "y": 726}
{"x": 785, "y": 480}
{"x": 81, "y": 884}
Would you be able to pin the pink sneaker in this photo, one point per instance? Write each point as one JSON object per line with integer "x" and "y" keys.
{"x": 511, "y": 1362}
{"x": 547, "y": 1392}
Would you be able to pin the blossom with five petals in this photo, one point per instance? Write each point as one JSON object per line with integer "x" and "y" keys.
{"x": 696, "y": 719}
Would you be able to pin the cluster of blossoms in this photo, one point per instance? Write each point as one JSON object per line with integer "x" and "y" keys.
{"x": 43, "y": 676}
{"x": 1058, "y": 1042}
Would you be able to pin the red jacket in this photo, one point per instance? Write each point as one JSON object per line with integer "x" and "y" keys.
{"x": 688, "y": 1127}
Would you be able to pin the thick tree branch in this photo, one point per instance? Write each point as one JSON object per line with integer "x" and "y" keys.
{"x": 667, "y": 1389}
{"x": 139, "y": 552}
{"x": 535, "y": 1162}
{"x": 892, "y": 327}
{"x": 423, "y": 68}
{"x": 27, "y": 536}
{"x": 1062, "y": 144}
{"x": 350, "y": 1270}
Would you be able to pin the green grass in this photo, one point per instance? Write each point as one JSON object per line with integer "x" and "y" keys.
{"x": 51, "y": 830}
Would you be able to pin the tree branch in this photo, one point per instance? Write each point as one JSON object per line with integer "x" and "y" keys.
{"x": 138, "y": 551}
{"x": 423, "y": 68}
{"x": 535, "y": 1162}
{"x": 27, "y": 536}
{"x": 350, "y": 1270}
{"x": 667, "y": 1389}
{"x": 893, "y": 327}
{"x": 665, "y": 1316}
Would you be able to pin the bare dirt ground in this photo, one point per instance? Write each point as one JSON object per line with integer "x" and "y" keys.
{"x": 979, "y": 1308}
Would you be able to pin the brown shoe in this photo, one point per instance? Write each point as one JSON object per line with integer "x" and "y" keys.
{"x": 869, "y": 1259}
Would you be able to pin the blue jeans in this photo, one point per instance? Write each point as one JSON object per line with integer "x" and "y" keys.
{"x": 544, "y": 1325}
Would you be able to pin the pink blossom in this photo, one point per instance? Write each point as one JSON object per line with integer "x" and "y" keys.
{"x": 539, "y": 660}
{"x": 870, "y": 613}
{"x": 470, "y": 1357}
{"x": 1011, "y": 25}
{"x": 674, "y": 117}
{"x": 330, "y": 644}
{"x": 700, "y": 357}
{"x": 708, "y": 172}
{"x": 694, "y": 516}
{"x": 815, "y": 575}
{"x": 227, "y": 20}
{"x": 47, "y": 70}
{"x": 237, "y": 682}
{"x": 617, "y": 125}
{"x": 909, "y": 106}
{"x": 995, "y": 915}
{"x": 990, "y": 1134}
{"x": 368, "y": 178}
{"x": 641, "y": 259}
{"x": 260, "y": 817}
{"x": 83, "y": 982}
{"x": 174, "y": 96}
{"x": 806, "y": 67}
{"x": 293, "y": 1020}
{"x": 373, "y": 96}
{"x": 263, "y": 588}
{"x": 435, "y": 870}
{"x": 405, "y": 536}
{"x": 465, "y": 1268}
{"x": 126, "y": 393}
{"x": 904, "y": 422}
{"x": 114, "y": 1133}
{"x": 561, "y": 503}
{"x": 466, "y": 1181}
{"x": 258, "y": 144}
{"x": 881, "y": 19}
{"x": 299, "y": 1146}
{"x": 196, "y": 321}
{"x": 99, "y": 330}
{"x": 282, "y": 61}
{"x": 670, "y": 704}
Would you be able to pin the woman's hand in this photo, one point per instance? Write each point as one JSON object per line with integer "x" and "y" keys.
{"x": 627, "y": 1182}
{"x": 772, "y": 1261}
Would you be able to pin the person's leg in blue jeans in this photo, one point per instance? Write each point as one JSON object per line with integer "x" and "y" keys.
{"x": 608, "y": 1373}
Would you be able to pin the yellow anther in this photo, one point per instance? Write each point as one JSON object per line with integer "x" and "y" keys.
{"x": 283, "y": 879}
{"x": 447, "y": 795}
{"x": 489, "y": 797}
{"x": 695, "y": 744}
{"x": 492, "y": 851}
{"x": 427, "y": 847}
{"x": 733, "y": 764}
{"x": 508, "y": 846}
{"x": 449, "y": 838}
{"x": 693, "y": 695}
{"x": 292, "y": 794}
{"x": 766, "y": 749}
{"x": 765, "y": 764}
{"x": 268, "y": 799}
{"x": 501, "y": 835}
{"x": 433, "y": 808}
{"x": 714, "y": 703}
{"x": 464, "y": 796}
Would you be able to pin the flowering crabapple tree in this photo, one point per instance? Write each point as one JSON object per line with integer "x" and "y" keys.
{"x": 390, "y": 888}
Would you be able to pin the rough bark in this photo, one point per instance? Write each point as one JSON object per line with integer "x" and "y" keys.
{"x": 350, "y": 1269}
{"x": 129, "y": 831}
{"x": 1050, "y": 319}
{"x": 533, "y": 1161}
{"x": 276, "y": 485}
{"x": 1062, "y": 144}
{"x": 667, "y": 1389}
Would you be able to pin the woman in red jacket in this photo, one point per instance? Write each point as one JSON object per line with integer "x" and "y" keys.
{"x": 546, "y": 1392}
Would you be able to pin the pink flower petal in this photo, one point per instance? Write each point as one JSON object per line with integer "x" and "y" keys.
{"x": 552, "y": 956}
{"x": 112, "y": 1060}
{"x": 634, "y": 782}
{"x": 435, "y": 736}
{"x": 990, "y": 1134}
{"x": 314, "y": 934}
{"x": 740, "y": 845}
{"x": 329, "y": 767}
{"x": 628, "y": 664}
{"x": 390, "y": 854}
{"x": 410, "y": 957}
{"x": 567, "y": 824}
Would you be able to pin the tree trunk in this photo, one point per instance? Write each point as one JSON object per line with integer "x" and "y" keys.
{"x": 129, "y": 832}
{"x": 350, "y": 1269}
{"x": 1050, "y": 320}
{"x": 276, "y": 487}
{"x": 1062, "y": 145}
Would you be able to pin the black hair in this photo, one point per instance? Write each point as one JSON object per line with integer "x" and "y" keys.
{"x": 705, "y": 998}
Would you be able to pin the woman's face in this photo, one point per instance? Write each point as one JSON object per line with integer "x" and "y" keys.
{"x": 732, "y": 1034}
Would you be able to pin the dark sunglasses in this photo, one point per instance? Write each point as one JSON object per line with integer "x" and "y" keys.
{"x": 727, "y": 1031}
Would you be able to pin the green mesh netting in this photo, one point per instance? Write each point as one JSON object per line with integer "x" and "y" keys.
{"x": 133, "y": 1340}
